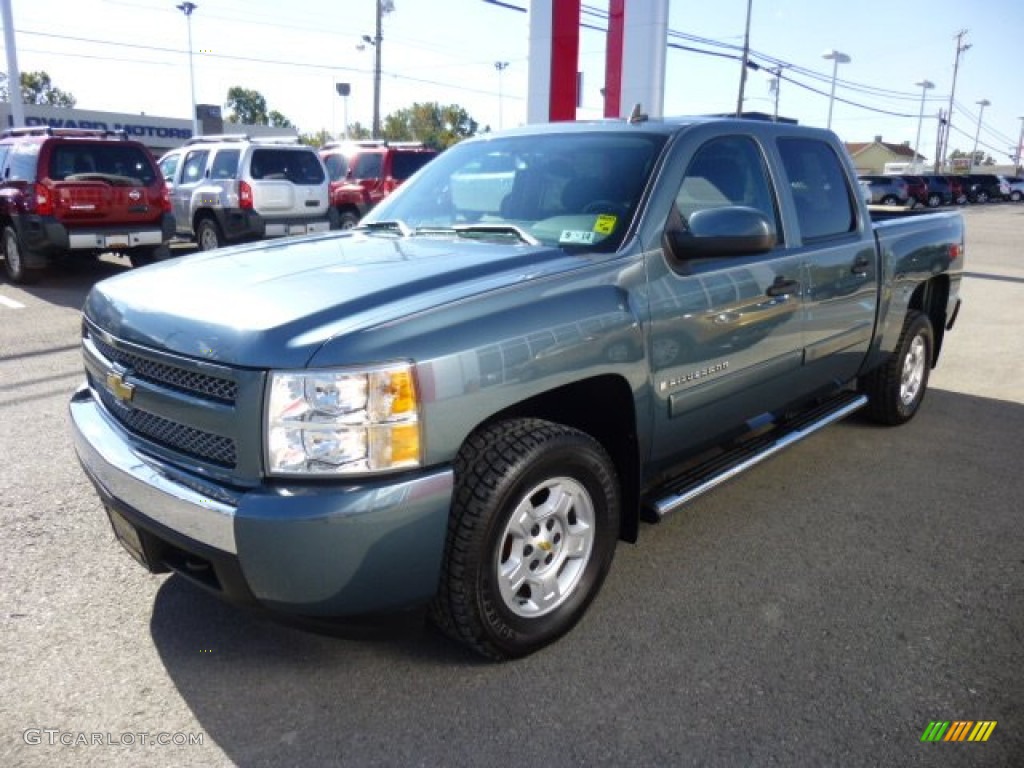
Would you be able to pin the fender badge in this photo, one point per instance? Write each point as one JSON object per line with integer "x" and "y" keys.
{"x": 120, "y": 388}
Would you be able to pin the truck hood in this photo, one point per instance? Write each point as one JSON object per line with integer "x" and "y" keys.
{"x": 274, "y": 304}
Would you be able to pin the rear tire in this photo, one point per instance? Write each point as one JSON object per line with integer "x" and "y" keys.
{"x": 14, "y": 262}
{"x": 896, "y": 389}
{"x": 347, "y": 220}
{"x": 208, "y": 235}
{"x": 890, "y": 200}
{"x": 532, "y": 534}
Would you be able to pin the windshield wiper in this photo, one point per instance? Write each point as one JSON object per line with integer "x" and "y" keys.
{"x": 390, "y": 225}
{"x": 468, "y": 230}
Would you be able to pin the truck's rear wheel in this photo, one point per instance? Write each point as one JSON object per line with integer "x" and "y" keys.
{"x": 895, "y": 390}
{"x": 347, "y": 220}
{"x": 14, "y": 262}
{"x": 534, "y": 524}
{"x": 208, "y": 235}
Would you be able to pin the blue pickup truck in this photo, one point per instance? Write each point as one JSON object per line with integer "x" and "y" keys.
{"x": 545, "y": 338}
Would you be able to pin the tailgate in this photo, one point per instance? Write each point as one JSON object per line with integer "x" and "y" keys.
{"x": 97, "y": 201}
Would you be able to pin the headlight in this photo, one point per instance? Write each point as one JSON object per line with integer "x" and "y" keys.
{"x": 342, "y": 421}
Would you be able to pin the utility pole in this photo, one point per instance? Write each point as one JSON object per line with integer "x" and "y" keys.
{"x": 376, "y": 71}
{"x": 938, "y": 140}
{"x": 743, "y": 63}
{"x": 13, "y": 73}
{"x": 961, "y": 46}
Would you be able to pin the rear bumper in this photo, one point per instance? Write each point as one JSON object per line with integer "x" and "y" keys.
{"x": 44, "y": 236}
{"x": 313, "y": 549}
{"x": 239, "y": 224}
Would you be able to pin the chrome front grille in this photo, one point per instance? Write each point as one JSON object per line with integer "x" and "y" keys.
{"x": 178, "y": 437}
{"x": 174, "y": 377}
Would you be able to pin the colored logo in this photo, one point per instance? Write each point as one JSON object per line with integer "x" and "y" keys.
{"x": 958, "y": 730}
{"x": 120, "y": 388}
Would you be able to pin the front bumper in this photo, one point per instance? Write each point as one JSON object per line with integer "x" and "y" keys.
{"x": 313, "y": 549}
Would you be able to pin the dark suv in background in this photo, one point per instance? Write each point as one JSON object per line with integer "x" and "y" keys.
{"x": 985, "y": 187}
{"x": 78, "y": 192}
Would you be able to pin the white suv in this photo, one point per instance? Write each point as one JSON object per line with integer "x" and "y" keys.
{"x": 235, "y": 187}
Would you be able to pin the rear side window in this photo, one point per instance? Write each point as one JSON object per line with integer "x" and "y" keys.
{"x": 823, "y": 202}
{"x": 225, "y": 164}
{"x": 296, "y": 166}
{"x": 405, "y": 164}
{"x": 169, "y": 165}
{"x": 23, "y": 161}
{"x": 115, "y": 163}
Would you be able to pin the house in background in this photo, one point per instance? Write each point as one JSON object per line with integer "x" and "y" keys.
{"x": 871, "y": 157}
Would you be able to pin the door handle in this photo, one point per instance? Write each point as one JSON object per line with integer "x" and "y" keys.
{"x": 783, "y": 287}
{"x": 860, "y": 266}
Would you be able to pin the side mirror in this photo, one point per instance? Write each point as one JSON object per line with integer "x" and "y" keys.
{"x": 717, "y": 232}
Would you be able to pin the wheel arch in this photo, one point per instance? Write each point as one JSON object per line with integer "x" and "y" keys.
{"x": 604, "y": 408}
{"x": 931, "y": 297}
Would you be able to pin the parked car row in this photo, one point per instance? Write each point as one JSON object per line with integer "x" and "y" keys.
{"x": 74, "y": 192}
{"x": 933, "y": 190}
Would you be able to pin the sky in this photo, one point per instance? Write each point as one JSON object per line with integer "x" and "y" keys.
{"x": 131, "y": 56}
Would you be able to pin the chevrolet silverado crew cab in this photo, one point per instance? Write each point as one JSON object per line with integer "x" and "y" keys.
{"x": 71, "y": 192}
{"x": 546, "y": 337}
{"x": 234, "y": 187}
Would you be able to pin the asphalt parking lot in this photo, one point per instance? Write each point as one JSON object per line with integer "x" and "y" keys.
{"x": 823, "y": 609}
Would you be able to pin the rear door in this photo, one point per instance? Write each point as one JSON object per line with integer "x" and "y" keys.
{"x": 191, "y": 177}
{"x": 104, "y": 183}
{"x": 837, "y": 246}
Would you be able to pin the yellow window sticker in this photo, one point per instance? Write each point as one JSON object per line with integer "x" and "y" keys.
{"x": 605, "y": 224}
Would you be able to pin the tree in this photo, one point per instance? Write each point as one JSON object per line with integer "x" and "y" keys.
{"x": 249, "y": 107}
{"x": 436, "y": 126}
{"x": 37, "y": 88}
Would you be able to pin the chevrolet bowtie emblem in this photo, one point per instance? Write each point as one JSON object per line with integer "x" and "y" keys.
{"x": 120, "y": 388}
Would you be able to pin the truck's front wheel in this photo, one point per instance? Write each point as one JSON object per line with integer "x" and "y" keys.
{"x": 895, "y": 390}
{"x": 534, "y": 524}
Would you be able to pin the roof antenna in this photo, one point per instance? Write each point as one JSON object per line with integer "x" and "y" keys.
{"x": 637, "y": 115}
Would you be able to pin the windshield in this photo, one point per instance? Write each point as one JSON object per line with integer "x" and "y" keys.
{"x": 579, "y": 189}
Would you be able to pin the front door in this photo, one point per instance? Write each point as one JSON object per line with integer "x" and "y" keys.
{"x": 725, "y": 340}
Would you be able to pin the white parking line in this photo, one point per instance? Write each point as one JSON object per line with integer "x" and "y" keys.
{"x": 11, "y": 303}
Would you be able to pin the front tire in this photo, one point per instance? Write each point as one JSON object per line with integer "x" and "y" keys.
{"x": 532, "y": 534}
{"x": 896, "y": 389}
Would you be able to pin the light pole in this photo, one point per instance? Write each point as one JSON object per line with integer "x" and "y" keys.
{"x": 1020, "y": 147}
{"x": 187, "y": 9}
{"x": 837, "y": 59}
{"x": 500, "y": 66}
{"x": 924, "y": 85}
{"x": 974, "y": 152}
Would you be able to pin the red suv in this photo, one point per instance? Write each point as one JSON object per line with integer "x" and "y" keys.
{"x": 66, "y": 191}
{"x": 363, "y": 173}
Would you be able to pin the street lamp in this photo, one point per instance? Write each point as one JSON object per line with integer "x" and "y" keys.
{"x": 344, "y": 89}
{"x": 187, "y": 9}
{"x": 924, "y": 85}
{"x": 500, "y": 66}
{"x": 983, "y": 103}
{"x": 837, "y": 59}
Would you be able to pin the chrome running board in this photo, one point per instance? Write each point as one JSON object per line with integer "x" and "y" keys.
{"x": 712, "y": 473}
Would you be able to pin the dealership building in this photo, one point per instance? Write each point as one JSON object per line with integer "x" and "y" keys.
{"x": 157, "y": 133}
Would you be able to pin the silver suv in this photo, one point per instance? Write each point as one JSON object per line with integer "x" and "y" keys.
{"x": 887, "y": 190}
{"x": 236, "y": 187}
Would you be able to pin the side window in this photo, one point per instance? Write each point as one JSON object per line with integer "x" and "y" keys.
{"x": 368, "y": 166}
{"x": 337, "y": 166}
{"x": 168, "y": 166}
{"x": 23, "y": 161}
{"x": 727, "y": 171}
{"x": 195, "y": 162}
{"x": 225, "y": 164}
{"x": 824, "y": 206}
